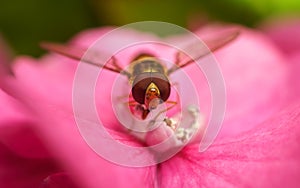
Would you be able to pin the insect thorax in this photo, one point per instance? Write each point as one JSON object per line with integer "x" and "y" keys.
{"x": 146, "y": 64}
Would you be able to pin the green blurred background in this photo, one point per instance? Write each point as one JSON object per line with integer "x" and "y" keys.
{"x": 24, "y": 23}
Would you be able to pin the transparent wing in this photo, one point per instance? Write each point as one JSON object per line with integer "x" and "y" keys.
{"x": 199, "y": 50}
{"x": 93, "y": 57}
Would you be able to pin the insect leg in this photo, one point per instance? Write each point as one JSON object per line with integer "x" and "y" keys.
{"x": 139, "y": 108}
{"x": 131, "y": 103}
{"x": 173, "y": 104}
{"x": 177, "y": 86}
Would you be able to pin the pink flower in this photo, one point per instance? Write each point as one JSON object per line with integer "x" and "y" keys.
{"x": 258, "y": 145}
{"x": 285, "y": 35}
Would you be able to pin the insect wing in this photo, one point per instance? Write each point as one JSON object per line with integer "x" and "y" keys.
{"x": 197, "y": 50}
{"x": 77, "y": 53}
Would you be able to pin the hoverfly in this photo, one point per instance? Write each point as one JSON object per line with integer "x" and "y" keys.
{"x": 148, "y": 76}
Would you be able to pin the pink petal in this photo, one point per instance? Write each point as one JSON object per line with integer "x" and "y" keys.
{"x": 294, "y": 80}
{"x": 60, "y": 135}
{"x": 56, "y": 125}
{"x": 23, "y": 141}
{"x": 266, "y": 156}
{"x": 285, "y": 34}
{"x": 24, "y": 161}
{"x": 17, "y": 171}
{"x": 85, "y": 167}
{"x": 255, "y": 74}
{"x": 15, "y": 131}
{"x": 256, "y": 80}
{"x": 59, "y": 180}
{"x": 46, "y": 88}
{"x": 41, "y": 77}
{"x": 13, "y": 112}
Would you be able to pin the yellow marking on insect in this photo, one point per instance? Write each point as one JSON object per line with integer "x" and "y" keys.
{"x": 152, "y": 89}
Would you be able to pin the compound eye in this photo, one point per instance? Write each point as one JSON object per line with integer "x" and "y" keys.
{"x": 141, "y": 84}
{"x": 138, "y": 91}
